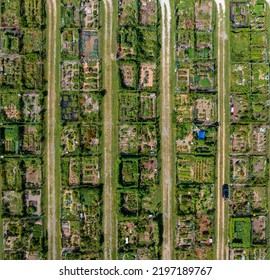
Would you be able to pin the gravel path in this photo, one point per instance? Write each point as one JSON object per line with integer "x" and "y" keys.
{"x": 166, "y": 129}
{"x": 51, "y": 117}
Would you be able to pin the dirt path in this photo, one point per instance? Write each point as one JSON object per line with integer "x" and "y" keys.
{"x": 108, "y": 166}
{"x": 221, "y": 161}
{"x": 51, "y": 123}
{"x": 166, "y": 128}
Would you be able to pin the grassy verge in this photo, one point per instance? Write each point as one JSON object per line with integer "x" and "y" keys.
{"x": 115, "y": 84}
{"x": 268, "y": 189}
{"x": 111, "y": 71}
{"x": 1, "y": 221}
{"x": 227, "y": 110}
{"x": 58, "y": 135}
{"x": 172, "y": 80}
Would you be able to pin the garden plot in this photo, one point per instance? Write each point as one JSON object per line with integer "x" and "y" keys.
{"x": 90, "y": 106}
{"x": 150, "y": 201}
{"x": 148, "y": 139}
{"x": 147, "y": 75}
{"x": 90, "y": 139}
{"x": 147, "y": 232}
{"x": 240, "y": 232}
{"x": 185, "y": 233}
{"x": 203, "y": 15}
{"x": 32, "y": 71}
{"x": 259, "y": 229}
{"x": 147, "y": 12}
{"x": 204, "y": 45}
{"x": 248, "y": 200}
{"x": 128, "y": 139}
{"x": 32, "y": 12}
{"x": 90, "y": 12}
{"x": 240, "y": 139}
{"x": 148, "y": 109}
{"x": 183, "y": 108}
{"x": 12, "y": 203}
{"x": 128, "y": 12}
{"x": 198, "y": 200}
{"x": 32, "y": 40}
{"x": 92, "y": 220}
{"x": 194, "y": 237}
{"x": 12, "y": 230}
{"x": 127, "y": 42}
{"x": 128, "y": 73}
{"x": 71, "y": 204}
{"x": 185, "y": 45}
{"x": 32, "y": 103}
{"x": 148, "y": 171}
{"x": 70, "y": 44}
{"x": 240, "y": 45}
{"x": 10, "y": 14}
{"x": 185, "y": 15}
{"x": 70, "y": 234}
{"x": 129, "y": 172}
{"x": 240, "y": 108}
{"x": 11, "y": 104}
{"x": 33, "y": 172}
{"x": 89, "y": 45}
{"x": 128, "y": 107}
{"x": 127, "y": 235}
{"x": 10, "y": 70}
{"x": 259, "y": 107}
{"x": 204, "y": 110}
{"x": 240, "y": 78}
{"x": 258, "y": 15}
{"x": 138, "y": 239}
{"x": 71, "y": 171}
{"x": 90, "y": 72}
{"x": 259, "y": 139}
{"x": 195, "y": 169}
{"x": 257, "y": 253}
{"x": 240, "y": 169}
{"x": 146, "y": 253}
{"x": 204, "y": 78}
{"x": 185, "y": 138}
{"x": 239, "y": 14}
{"x": 185, "y": 79}
{"x": 70, "y": 139}
{"x": 70, "y": 75}
{"x": 70, "y": 11}
{"x": 32, "y": 139}
{"x": 32, "y": 238}
{"x": 259, "y": 78}
{"x": 259, "y": 169}
{"x": 205, "y": 234}
{"x": 10, "y": 41}
{"x": 91, "y": 171}
{"x": 129, "y": 203}
{"x": 11, "y": 139}
{"x": 11, "y": 174}
{"x": 69, "y": 107}
{"x": 258, "y": 51}
{"x": 32, "y": 200}
{"x": 148, "y": 48}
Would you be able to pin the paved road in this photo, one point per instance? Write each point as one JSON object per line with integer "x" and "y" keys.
{"x": 109, "y": 165}
{"x": 166, "y": 130}
{"x": 51, "y": 123}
